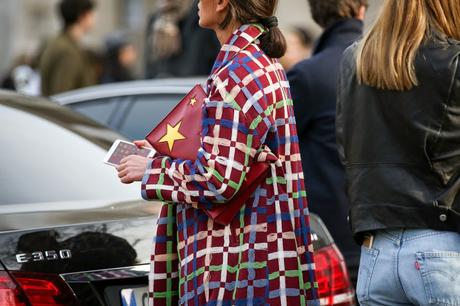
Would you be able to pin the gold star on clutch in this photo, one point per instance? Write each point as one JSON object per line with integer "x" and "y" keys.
{"x": 193, "y": 101}
{"x": 172, "y": 135}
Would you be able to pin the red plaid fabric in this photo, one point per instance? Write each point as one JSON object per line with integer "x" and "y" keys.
{"x": 265, "y": 256}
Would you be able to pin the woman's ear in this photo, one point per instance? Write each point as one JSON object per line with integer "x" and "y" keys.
{"x": 222, "y": 5}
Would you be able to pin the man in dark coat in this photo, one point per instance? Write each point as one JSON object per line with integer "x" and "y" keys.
{"x": 314, "y": 84}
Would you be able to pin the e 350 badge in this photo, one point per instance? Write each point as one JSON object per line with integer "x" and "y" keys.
{"x": 43, "y": 256}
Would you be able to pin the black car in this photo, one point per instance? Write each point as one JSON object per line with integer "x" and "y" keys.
{"x": 70, "y": 232}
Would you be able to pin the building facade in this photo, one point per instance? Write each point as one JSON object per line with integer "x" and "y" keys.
{"x": 25, "y": 24}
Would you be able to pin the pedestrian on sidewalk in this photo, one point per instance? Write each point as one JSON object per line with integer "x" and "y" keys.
{"x": 265, "y": 255}
{"x": 175, "y": 40}
{"x": 398, "y": 128}
{"x": 314, "y": 87}
{"x": 64, "y": 65}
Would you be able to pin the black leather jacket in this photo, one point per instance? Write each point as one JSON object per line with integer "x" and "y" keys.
{"x": 401, "y": 150}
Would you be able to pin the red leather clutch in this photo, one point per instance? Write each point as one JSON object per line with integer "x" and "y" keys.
{"x": 178, "y": 136}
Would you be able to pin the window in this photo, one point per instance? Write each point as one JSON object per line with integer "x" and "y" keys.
{"x": 99, "y": 110}
{"x": 146, "y": 112}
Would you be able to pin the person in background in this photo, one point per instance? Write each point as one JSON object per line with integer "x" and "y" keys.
{"x": 64, "y": 65}
{"x": 121, "y": 56}
{"x": 26, "y": 80}
{"x": 398, "y": 132}
{"x": 175, "y": 41}
{"x": 299, "y": 46}
{"x": 23, "y": 77}
{"x": 314, "y": 85}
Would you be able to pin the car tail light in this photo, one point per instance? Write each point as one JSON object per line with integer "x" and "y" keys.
{"x": 34, "y": 289}
{"x": 332, "y": 276}
{"x": 10, "y": 293}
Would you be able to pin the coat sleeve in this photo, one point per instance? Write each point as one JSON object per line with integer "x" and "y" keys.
{"x": 444, "y": 150}
{"x": 230, "y": 141}
{"x": 345, "y": 79}
{"x": 339, "y": 123}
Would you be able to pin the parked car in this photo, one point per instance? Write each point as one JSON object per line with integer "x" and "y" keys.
{"x": 109, "y": 244}
{"x": 131, "y": 108}
{"x": 70, "y": 232}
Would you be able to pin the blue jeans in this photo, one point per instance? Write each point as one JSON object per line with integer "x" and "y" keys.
{"x": 410, "y": 267}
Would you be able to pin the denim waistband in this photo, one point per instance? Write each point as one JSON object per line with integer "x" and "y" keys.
{"x": 401, "y": 235}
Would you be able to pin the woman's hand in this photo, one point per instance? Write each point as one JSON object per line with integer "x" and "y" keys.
{"x": 142, "y": 144}
{"x": 132, "y": 168}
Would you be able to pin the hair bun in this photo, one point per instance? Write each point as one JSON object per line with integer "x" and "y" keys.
{"x": 270, "y": 22}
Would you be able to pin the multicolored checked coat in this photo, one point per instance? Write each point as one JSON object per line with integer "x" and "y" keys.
{"x": 265, "y": 256}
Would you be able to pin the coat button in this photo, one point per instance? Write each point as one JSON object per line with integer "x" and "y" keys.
{"x": 443, "y": 217}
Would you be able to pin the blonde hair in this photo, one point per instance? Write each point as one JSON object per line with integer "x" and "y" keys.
{"x": 386, "y": 55}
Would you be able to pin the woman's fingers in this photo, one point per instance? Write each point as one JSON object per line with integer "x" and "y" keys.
{"x": 121, "y": 167}
{"x": 139, "y": 143}
{"x": 124, "y": 161}
{"x": 132, "y": 168}
{"x": 123, "y": 172}
{"x": 126, "y": 180}
{"x": 126, "y": 176}
{"x": 127, "y": 160}
{"x": 142, "y": 144}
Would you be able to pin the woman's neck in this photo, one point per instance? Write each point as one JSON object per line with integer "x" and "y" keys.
{"x": 223, "y": 35}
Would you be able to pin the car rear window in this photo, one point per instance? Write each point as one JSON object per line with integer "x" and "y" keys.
{"x": 100, "y": 110}
{"x": 145, "y": 113}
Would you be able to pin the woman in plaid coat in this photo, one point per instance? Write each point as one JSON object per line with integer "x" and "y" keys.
{"x": 265, "y": 256}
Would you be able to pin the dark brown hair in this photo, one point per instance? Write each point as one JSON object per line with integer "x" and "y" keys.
{"x": 273, "y": 42}
{"x": 72, "y": 10}
{"x": 327, "y": 12}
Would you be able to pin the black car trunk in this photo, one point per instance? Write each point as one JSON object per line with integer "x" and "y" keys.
{"x": 99, "y": 257}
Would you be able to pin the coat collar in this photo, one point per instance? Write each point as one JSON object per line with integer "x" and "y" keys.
{"x": 340, "y": 34}
{"x": 239, "y": 40}
{"x": 436, "y": 38}
{"x": 66, "y": 36}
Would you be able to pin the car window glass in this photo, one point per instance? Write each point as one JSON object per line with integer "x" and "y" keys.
{"x": 100, "y": 110}
{"x": 45, "y": 162}
{"x": 146, "y": 112}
